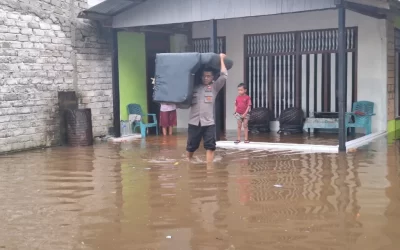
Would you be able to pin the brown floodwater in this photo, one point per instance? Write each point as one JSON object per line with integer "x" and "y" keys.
{"x": 145, "y": 195}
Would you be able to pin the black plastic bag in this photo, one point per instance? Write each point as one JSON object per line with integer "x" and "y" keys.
{"x": 213, "y": 60}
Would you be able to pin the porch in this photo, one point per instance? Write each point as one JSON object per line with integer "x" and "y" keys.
{"x": 287, "y": 58}
{"x": 305, "y": 143}
{"x": 304, "y": 138}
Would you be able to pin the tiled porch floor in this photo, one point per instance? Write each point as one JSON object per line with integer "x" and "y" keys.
{"x": 305, "y": 138}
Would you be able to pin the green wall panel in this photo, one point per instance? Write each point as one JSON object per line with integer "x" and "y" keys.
{"x": 393, "y": 130}
{"x": 397, "y": 22}
{"x": 132, "y": 71}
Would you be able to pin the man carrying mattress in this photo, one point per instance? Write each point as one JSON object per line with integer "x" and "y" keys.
{"x": 201, "y": 116}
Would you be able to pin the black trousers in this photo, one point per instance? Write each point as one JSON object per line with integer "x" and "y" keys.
{"x": 196, "y": 133}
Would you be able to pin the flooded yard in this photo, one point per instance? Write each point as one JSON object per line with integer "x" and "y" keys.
{"x": 145, "y": 195}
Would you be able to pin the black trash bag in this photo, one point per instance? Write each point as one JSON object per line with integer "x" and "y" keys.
{"x": 259, "y": 120}
{"x": 291, "y": 121}
{"x": 212, "y": 60}
{"x": 175, "y": 77}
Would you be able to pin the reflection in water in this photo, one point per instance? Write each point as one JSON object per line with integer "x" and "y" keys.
{"x": 145, "y": 195}
{"x": 392, "y": 213}
{"x": 208, "y": 189}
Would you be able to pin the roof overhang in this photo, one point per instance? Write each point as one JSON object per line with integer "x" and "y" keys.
{"x": 383, "y": 4}
{"x": 142, "y": 13}
{"x": 107, "y": 9}
{"x": 373, "y": 8}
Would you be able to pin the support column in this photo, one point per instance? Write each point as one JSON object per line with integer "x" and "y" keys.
{"x": 214, "y": 37}
{"x": 189, "y": 38}
{"x": 115, "y": 85}
{"x": 217, "y": 109}
{"x": 342, "y": 77}
{"x": 392, "y": 78}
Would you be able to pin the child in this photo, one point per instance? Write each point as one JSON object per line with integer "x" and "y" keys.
{"x": 242, "y": 109}
{"x": 167, "y": 117}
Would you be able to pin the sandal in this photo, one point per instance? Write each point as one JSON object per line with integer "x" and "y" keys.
{"x": 246, "y": 141}
{"x": 237, "y": 142}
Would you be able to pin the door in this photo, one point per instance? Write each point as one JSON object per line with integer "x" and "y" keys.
{"x": 155, "y": 43}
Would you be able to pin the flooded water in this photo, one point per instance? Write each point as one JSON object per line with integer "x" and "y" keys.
{"x": 145, "y": 195}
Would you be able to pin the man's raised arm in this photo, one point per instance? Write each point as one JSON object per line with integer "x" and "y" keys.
{"x": 220, "y": 82}
{"x": 223, "y": 67}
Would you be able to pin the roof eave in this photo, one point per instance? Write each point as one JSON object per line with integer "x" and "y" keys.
{"x": 94, "y": 15}
{"x": 368, "y": 10}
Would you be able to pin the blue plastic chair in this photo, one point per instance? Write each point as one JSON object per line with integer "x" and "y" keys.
{"x": 135, "y": 109}
{"x": 360, "y": 117}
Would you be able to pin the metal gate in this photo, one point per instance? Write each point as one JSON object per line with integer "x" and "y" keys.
{"x": 202, "y": 45}
{"x": 299, "y": 69}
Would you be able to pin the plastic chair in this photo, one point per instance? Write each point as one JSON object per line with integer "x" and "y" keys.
{"x": 360, "y": 117}
{"x": 135, "y": 109}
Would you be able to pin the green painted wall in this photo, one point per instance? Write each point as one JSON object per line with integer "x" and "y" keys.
{"x": 132, "y": 71}
{"x": 397, "y": 22}
{"x": 171, "y": 44}
{"x": 393, "y": 130}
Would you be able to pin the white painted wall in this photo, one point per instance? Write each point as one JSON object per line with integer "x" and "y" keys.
{"x": 371, "y": 53}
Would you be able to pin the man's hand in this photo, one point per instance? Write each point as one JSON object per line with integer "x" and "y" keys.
{"x": 223, "y": 67}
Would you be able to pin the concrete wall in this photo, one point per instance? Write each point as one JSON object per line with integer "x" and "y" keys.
{"x": 44, "y": 49}
{"x": 132, "y": 71}
{"x": 371, "y": 54}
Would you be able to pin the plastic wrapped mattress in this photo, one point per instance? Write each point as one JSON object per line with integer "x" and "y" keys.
{"x": 177, "y": 73}
{"x": 175, "y": 76}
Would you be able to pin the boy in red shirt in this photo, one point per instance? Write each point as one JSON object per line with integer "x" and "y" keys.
{"x": 242, "y": 109}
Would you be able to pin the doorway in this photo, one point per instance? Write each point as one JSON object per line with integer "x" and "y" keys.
{"x": 203, "y": 45}
{"x": 155, "y": 43}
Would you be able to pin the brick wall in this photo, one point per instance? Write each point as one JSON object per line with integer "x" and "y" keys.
{"x": 390, "y": 69}
{"x": 44, "y": 49}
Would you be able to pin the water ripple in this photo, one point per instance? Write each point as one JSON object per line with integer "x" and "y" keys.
{"x": 146, "y": 195}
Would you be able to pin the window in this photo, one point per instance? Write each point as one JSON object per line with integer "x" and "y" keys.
{"x": 298, "y": 69}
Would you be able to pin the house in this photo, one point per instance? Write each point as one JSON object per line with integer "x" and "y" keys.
{"x": 286, "y": 51}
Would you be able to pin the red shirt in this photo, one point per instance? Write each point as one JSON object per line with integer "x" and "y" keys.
{"x": 242, "y": 103}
